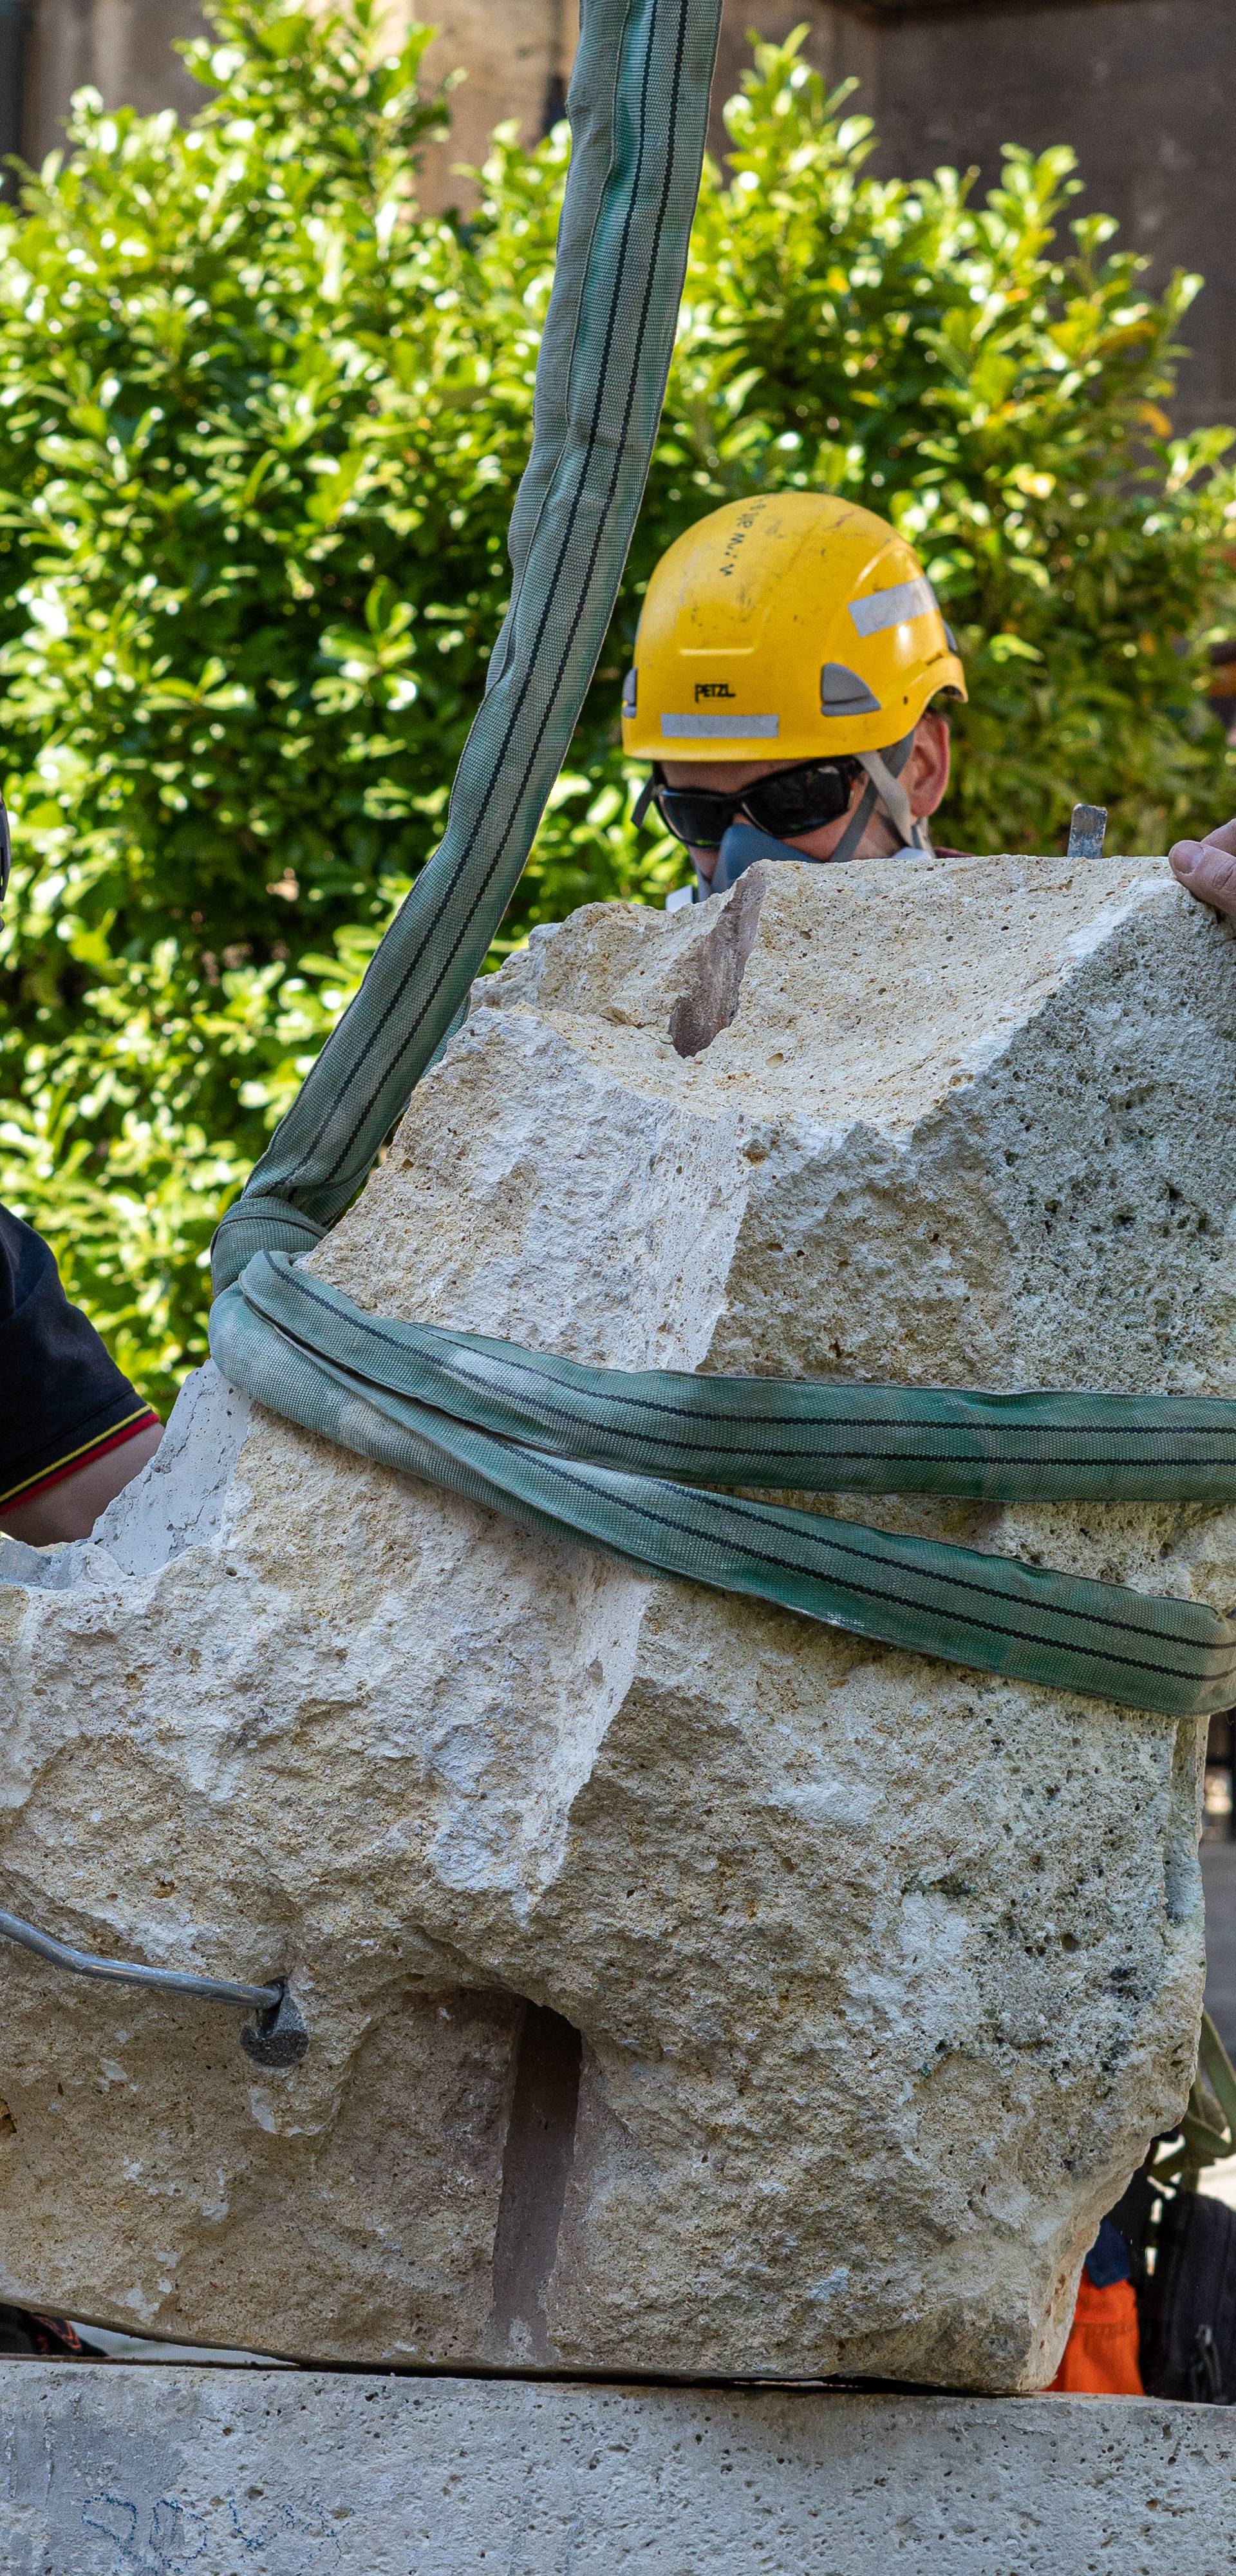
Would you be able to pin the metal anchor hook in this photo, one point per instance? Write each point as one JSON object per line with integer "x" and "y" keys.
{"x": 1087, "y": 831}
{"x": 277, "y": 2037}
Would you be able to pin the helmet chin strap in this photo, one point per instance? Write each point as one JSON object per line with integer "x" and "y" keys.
{"x": 884, "y": 788}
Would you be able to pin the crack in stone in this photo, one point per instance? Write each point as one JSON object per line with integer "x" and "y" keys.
{"x": 536, "y": 2168}
{"x": 716, "y": 966}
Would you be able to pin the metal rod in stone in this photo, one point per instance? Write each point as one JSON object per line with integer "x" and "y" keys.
{"x": 1087, "y": 831}
{"x": 131, "y": 1972}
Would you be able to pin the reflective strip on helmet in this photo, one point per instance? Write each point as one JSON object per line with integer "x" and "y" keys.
{"x": 895, "y": 607}
{"x": 719, "y": 728}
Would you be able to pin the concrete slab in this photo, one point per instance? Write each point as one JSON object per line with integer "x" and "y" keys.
{"x": 124, "y": 2470}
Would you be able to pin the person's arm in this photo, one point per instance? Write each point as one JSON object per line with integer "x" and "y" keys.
{"x": 1208, "y": 868}
{"x": 73, "y": 1431}
{"x": 70, "y": 1508}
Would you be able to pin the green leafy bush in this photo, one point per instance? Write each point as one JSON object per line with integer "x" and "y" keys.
{"x": 260, "y": 426}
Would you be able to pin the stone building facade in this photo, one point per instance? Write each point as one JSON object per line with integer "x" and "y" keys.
{"x": 1141, "y": 88}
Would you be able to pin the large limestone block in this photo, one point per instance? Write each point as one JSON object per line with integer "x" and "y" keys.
{"x": 690, "y": 1988}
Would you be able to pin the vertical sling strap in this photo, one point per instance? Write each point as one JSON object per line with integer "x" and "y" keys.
{"x": 638, "y": 107}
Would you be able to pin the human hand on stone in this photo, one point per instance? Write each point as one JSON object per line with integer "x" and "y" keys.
{"x": 1207, "y": 868}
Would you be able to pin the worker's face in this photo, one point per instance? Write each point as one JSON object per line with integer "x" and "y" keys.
{"x": 925, "y": 778}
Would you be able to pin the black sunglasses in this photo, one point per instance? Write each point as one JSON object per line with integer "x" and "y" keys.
{"x": 792, "y": 801}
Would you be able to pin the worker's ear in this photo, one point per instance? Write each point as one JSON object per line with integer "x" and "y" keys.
{"x": 926, "y": 775}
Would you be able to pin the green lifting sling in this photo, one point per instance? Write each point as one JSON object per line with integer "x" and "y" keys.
{"x": 629, "y": 1462}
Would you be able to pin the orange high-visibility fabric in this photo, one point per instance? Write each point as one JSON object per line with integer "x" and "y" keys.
{"x": 1100, "y": 2357}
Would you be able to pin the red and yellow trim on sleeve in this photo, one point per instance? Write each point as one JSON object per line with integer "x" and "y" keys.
{"x": 112, "y": 1437}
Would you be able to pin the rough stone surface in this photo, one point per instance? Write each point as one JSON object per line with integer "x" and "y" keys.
{"x": 691, "y": 1989}
{"x": 121, "y": 2469}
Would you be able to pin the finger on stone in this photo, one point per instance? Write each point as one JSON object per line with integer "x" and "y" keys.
{"x": 1213, "y": 880}
{"x": 1183, "y": 857}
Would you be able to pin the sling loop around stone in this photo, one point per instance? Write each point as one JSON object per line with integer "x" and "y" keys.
{"x": 625, "y": 1462}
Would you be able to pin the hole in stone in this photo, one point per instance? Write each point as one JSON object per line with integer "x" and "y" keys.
{"x": 715, "y": 971}
{"x": 536, "y": 2167}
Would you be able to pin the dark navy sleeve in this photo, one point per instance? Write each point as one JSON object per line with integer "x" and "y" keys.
{"x": 63, "y": 1401}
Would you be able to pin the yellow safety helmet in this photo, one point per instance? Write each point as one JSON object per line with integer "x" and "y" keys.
{"x": 789, "y": 626}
